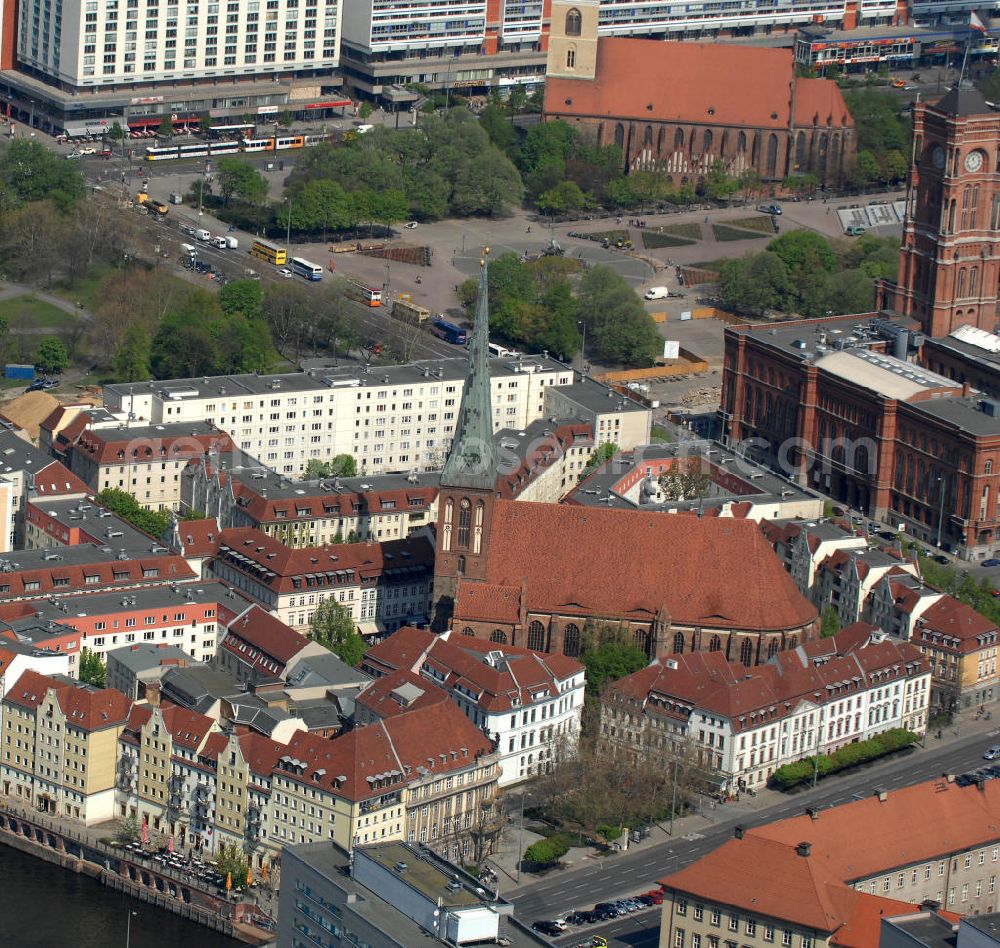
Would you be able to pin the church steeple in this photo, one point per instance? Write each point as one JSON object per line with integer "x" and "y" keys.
{"x": 472, "y": 459}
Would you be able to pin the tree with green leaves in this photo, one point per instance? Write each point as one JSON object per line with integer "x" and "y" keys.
{"x": 153, "y": 522}
{"x": 333, "y": 627}
{"x": 92, "y": 669}
{"x": 755, "y": 284}
{"x": 30, "y": 172}
{"x": 166, "y": 127}
{"x": 565, "y": 196}
{"x": 365, "y": 110}
{"x": 619, "y": 329}
{"x": 343, "y": 465}
{"x": 116, "y": 133}
{"x": 238, "y": 178}
{"x": 601, "y": 455}
{"x": 830, "y": 623}
{"x": 128, "y": 831}
{"x": 132, "y": 360}
{"x": 51, "y": 356}
{"x": 233, "y": 862}
{"x": 243, "y": 297}
{"x": 609, "y": 661}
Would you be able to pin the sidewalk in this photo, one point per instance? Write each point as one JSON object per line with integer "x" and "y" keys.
{"x": 708, "y": 814}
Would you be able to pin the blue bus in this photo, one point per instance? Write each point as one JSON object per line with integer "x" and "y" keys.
{"x": 448, "y": 331}
{"x": 306, "y": 269}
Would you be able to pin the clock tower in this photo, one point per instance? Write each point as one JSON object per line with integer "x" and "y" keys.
{"x": 949, "y": 268}
{"x": 468, "y": 479}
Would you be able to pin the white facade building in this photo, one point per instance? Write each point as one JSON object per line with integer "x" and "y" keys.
{"x": 394, "y": 418}
{"x": 101, "y": 42}
{"x": 529, "y": 703}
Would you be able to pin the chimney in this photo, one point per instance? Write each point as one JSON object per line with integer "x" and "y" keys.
{"x": 966, "y": 390}
{"x": 930, "y": 905}
{"x": 738, "y": 831}
{"x": 803, "y": 849}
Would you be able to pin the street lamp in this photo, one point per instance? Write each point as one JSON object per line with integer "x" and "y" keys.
{"x": 583, "y": 346}
{"x": 201, "y": 194}
{"x": 940, "y": 509}
{"x": 288, "y": 230}
{"x": 128, "y": 927}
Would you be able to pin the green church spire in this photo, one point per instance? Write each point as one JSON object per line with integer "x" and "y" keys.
{"x": 472, "y": 458}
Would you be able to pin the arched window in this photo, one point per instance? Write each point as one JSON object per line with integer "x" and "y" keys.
{"x": 498, "y": 635}
{"x": 536, "y": 636}
{"x": 973, "y": 280}
{"x": 571, "y": 58}
{"x": 772, "y": 155}
{"x": 746, "y": 652}
{"x": 706, "y": 141}
{"x": 741, "y": 142}
{"x": 477, "y": 538}
{"x": 772, "y": 648}
{"x": 620, "y": 135}
{"x": 715, "y": 644}
{"x": 961, "y": 283}
{"x": 449, "y": 511}
{"x": 574, "y": 22}
{"x": 641, "y": 638}
{"x": 679, "y": 643}
{"x": 461, "y": 565}
{"x": 679, "y": 138}
{"x": 801, "y": 156}
{"x": 468, "y": 631}
{"x": 571, "y": 640}
{"x": 464, "y": 522}
{"x": 647, "y": 136}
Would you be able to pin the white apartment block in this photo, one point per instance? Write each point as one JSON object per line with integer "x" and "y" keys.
{"x": 103, "y": 42}
{"x": 393, "y": 418}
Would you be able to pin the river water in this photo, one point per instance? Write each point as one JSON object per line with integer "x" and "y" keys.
{"x": 47, "y": 907}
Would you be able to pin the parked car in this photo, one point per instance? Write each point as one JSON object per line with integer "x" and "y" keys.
{"x": 992, "y": 753}
{"x": 74, "y": 155}
{"x": 547, "y": 928}
{"x": 942, "y": 559}
{"x": 855, "y": 230}
{"x": 769, "y": 208}
{"x": 285, "y": 272}
{"x": 992, "y": 561}
{"x": 412, "y": 225}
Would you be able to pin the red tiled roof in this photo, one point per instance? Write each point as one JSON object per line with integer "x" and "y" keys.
{"x": 381, "y": 700}
{"x": 260, "y": 752}
{"x": 692, "y": 83}
{"x": 106, "y": 446}
{"x": 711, "y": 572}
{"x": 765, "y": 693}
{"x": 265, "y": 633}
{"x": 543, "y": 453}
{"x": 93, "y": 710}
{"x": 459, "y": 661}
{"x": 950, "y": 619}
{"x": 439, "y": 738}
{"x": 282, "y": 568}
{"x": 188, "y": 728}
{"x": 199, "y": 538}
{"x": 55, "y": 479}
{"x": 169, "y": 569}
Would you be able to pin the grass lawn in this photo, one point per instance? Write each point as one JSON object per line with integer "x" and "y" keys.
{"x": 611, "y": 235}
{"x": 690, "y": 229}
{"x": 652, "y": 240}
{"x": 724, "y": 232}
{"x": 761, "y": 222}
{"x": 28, "y": 313}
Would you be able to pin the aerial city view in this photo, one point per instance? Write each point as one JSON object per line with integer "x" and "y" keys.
{"x": 507, "y": 474}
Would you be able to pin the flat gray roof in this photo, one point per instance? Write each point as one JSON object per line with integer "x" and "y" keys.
{"x": 926, "y": 928}
{"x": 596, "y": 397}
{"x": 16, "y": 454}
{"x": 103, "y": 525}
{"x": 143, "y": 656}
{"x": 447, "y": 370}
{"x": 963, "y": 413}
{"x": 79, "y": 555}
{"x": 885, "y": 374}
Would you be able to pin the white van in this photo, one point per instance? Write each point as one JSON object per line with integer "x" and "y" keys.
{"x": 364, "y": 128}
{"x": 220, "y": 242}
{"x": 203, "y": 235}
{"x": 498, "y": 352}
{"x": 232, "y": 243}
{"x": 656, "y": 293}
{"x": 189, "y": 249}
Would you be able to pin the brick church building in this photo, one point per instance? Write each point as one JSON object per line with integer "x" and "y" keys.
{"x": 679, "y": 108}
{"x": 547, "y": 576}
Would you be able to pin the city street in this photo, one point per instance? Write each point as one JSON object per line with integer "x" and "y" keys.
{"x": 632, "y": 873}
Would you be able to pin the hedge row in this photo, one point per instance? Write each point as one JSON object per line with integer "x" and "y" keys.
{"x": 784, "y": 778}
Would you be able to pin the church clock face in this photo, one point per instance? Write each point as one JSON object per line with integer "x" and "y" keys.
{"x": 937, "y": 156}
{"x": 973, "y": 161}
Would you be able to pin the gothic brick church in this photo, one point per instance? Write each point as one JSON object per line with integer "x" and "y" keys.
{"x": 679, "y": 107}
{"x": 545, "y": 576}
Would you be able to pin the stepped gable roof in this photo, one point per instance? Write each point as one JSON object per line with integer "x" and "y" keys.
{"x": 691, "y": 82}
{"x": 911, "y": 825}
{"x": 708, "y": 572}
{"x": 398, "y": 692}
{"x": 30, "y": 689}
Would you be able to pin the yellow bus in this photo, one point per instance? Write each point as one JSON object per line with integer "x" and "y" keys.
{"x": 272, "y": 253}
